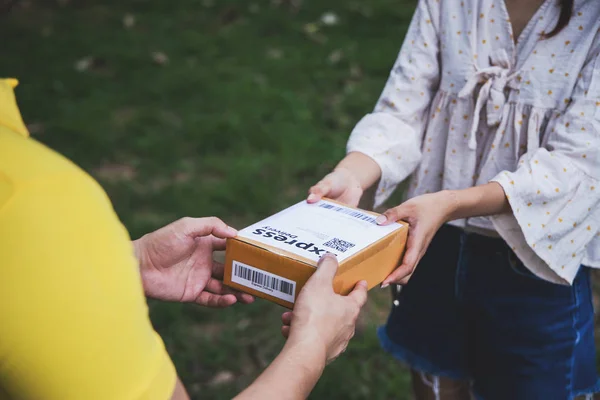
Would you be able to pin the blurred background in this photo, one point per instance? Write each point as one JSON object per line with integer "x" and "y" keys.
{"x": 212, "y": 107}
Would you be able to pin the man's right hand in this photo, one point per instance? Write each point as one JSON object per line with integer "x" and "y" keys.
{"x": 323, "y": 317}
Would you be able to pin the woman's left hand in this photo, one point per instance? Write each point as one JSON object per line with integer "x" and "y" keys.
{"x": 425, "y": 215}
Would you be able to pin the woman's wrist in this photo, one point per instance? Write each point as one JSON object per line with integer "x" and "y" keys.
{"x": 482, "y": 200}
{"x": 360, "y": 167}
{"x": 452, "y": 201}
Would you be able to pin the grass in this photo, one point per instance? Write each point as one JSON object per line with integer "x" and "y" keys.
{"x": 219, "y": 107}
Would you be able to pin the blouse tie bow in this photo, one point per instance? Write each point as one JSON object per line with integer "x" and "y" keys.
{"x": 494, "y": 81}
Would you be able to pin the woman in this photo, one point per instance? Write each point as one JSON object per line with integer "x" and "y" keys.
{"x": 493, "y": 108}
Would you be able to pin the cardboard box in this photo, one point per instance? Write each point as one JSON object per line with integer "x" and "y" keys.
{"x": 274, "y": 258}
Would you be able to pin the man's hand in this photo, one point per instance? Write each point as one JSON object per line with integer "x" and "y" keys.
{"x": 318, "y": 330}
{"x": 176, "y": 263}
{"x": 323, "y": 318}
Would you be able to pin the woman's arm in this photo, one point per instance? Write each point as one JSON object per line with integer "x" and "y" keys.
{"x": 391, "y": 135}
{"x": 482, "y": 200}
{"x": 426, "y": 214}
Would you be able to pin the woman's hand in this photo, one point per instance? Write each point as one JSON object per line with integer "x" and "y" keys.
{"x": 425, "y": 215}
{"x": 176, "y": 263}
{"x": 339, "y": 185}
{"x": 346, "y": 184}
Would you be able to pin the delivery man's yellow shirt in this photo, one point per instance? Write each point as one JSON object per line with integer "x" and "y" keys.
{"x": 73, "y": 318}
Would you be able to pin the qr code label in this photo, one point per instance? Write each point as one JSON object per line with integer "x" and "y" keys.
{"x": 339, "y": 245}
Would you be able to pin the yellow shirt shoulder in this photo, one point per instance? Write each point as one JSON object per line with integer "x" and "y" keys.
{"x": 73, "y": 317}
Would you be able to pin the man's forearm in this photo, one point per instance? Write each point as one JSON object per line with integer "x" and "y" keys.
{"x": 292, "y": 375}
{"x": 483, "y": 200}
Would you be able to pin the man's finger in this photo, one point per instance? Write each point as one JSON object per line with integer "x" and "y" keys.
{"x": 286, "y": 318}
{"x": 326, "y": 269}
{"x": 245, "y": 298}
{"x": 216, "y": 301}
{"x": 195, "y": 227}
{"x": 218, "y": 244}
{"x": 216, "y": 286}
{"x": 359, "y": 293}
{"x": 285, "y": 331}
{"x": 218, "y": 270}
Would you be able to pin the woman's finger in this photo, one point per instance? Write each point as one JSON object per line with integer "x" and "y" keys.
{"x": 404, "y": 280}
{"x": 396, "y": 276}
{"x": 318, "y": 191}
{"x": 413, "y": 250}
{"x": 285, "y": 331}
{"x": 351, "y": 196}
{"x": 402, "y": 212}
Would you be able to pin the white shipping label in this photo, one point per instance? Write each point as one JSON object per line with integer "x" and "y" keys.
{"x": 311, "y": 230}
{"x": 263, "y": 281}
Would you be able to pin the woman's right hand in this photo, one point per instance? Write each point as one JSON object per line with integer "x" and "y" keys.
{"x": 340, "y": 185}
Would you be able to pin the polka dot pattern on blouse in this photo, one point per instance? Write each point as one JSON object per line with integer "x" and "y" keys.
{"x": 465, "y": 105}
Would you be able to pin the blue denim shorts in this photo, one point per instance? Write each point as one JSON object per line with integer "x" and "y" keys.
{"x": 472, "y": 311}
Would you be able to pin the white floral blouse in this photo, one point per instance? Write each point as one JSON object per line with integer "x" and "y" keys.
{"x": 464, "y": 105}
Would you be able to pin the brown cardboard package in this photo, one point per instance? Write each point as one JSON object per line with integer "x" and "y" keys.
{"x": 274, "y": 258}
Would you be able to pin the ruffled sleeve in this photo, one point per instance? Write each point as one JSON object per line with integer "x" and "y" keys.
{"x": 555, "y": 192}
{"x": 392, "y": 134}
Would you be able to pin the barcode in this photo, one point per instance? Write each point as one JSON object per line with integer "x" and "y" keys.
{"x": 350, "y": 212}
{"x": 338, "y": 244}
{"x": 263, "y": 281}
